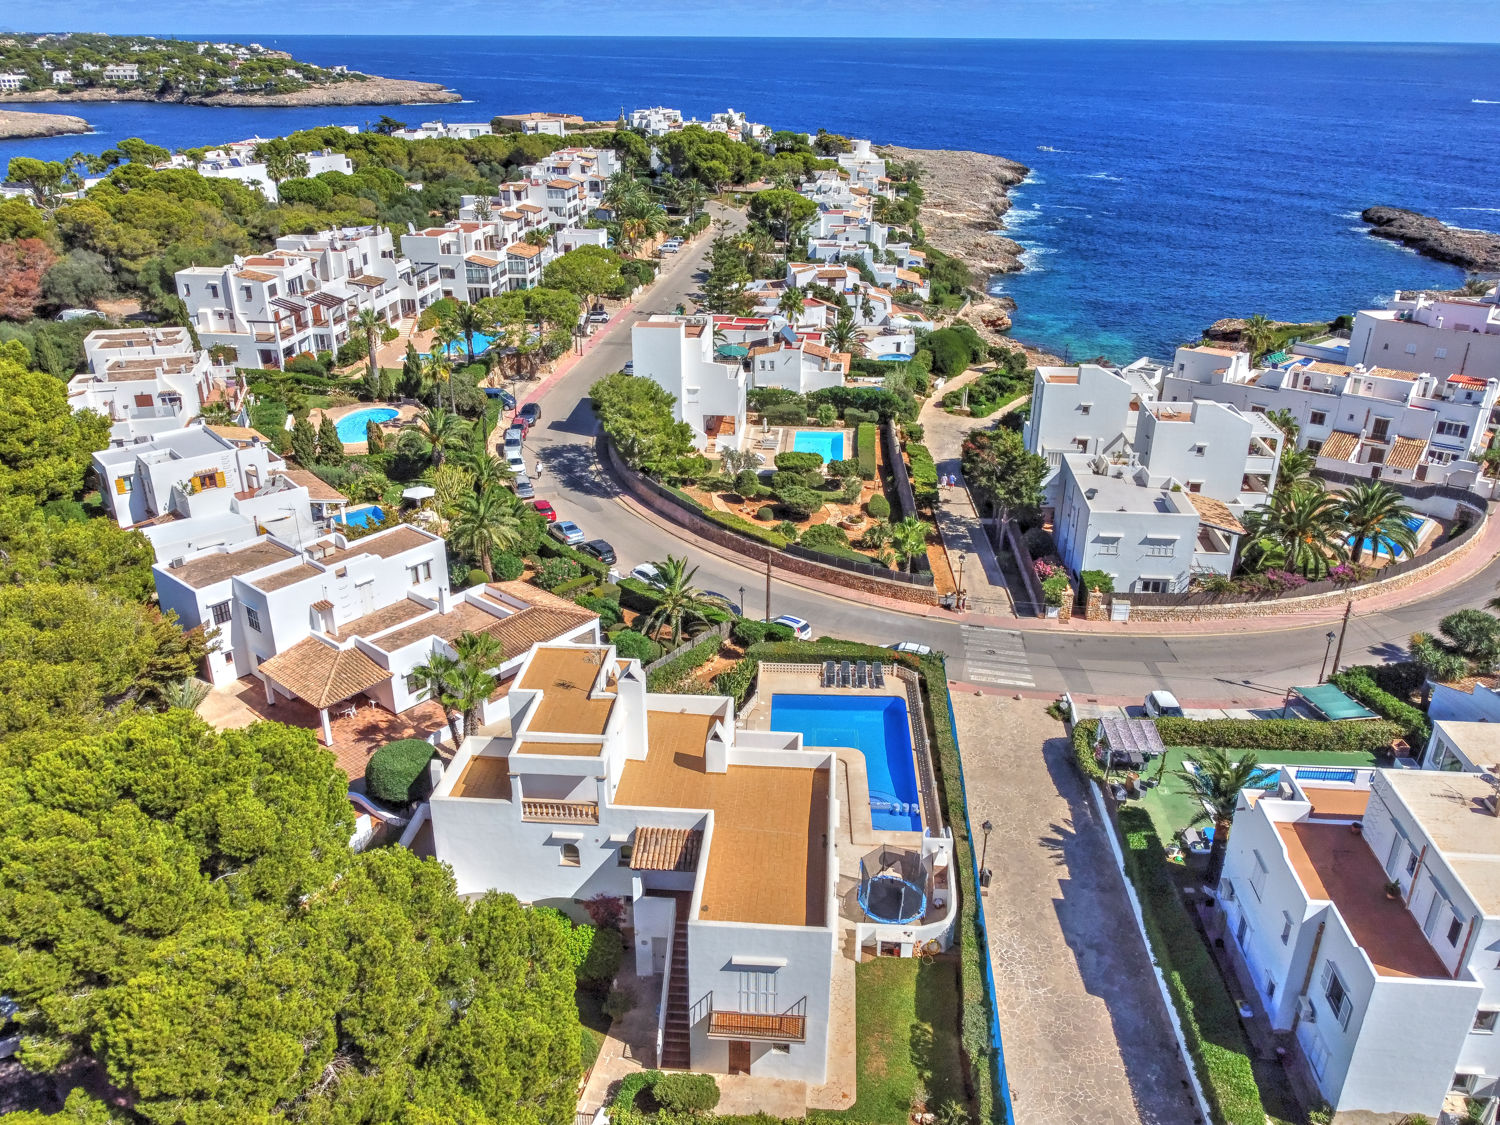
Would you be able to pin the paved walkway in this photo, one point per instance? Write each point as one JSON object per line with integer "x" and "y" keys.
{"x": 1085, "y": 1032}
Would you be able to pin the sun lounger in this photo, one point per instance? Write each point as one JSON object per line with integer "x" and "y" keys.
{"x": 846, "y": 674}
{"x": 830, "y": 673}
{"x": 862, "y": 674}
{"x": 879, "y": 669}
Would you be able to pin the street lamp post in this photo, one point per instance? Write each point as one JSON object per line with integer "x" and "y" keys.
{"x": 963, "y": 557}
{"x": 742, "y": 599}
{"x": 984, "y": 851}
{"x": 1332, "y": 636}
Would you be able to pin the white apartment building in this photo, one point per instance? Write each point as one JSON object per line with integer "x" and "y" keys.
{"x": 1431, "y": 334}
{"x": 149, "y": 380}
{"x": 237, "y": 162}
{"x": 721, "y": 840}
{"x": 1392, "y": 995}
{"x": 62, "y": 77}
{"x": 11, "y": 83}
{"x": 656, "y": 121}
{"x": 677, "y": 353}
{"x": 474, "y": 258}
{"x": 122, "y": 72}
{"x": 798, "y": 364}
{"x": 1377, "y": 422}
{"x": 454, "y": 130}
{"x": 302, "y": 296}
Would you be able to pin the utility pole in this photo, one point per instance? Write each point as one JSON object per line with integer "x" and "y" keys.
{"x": 1339, "y": 651}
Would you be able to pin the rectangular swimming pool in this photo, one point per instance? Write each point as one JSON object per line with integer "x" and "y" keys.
{"x": 876, "y": 726}
{"x": 827, "y": 443}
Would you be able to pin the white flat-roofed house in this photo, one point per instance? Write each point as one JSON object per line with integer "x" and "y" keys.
{"x": 455, "y": 130}
{"x": 473, "y": 257}
{"x": 1462, "y": 746}
{"x": 1375, "y": 422}
{"x": 361, "y": 264}
{"x": 720, "y": 841}
{"x": 149, "y": 380}
{"x": 11, "y": 83}
{"x": 122, "y": 72}
{"x": 237, "y": 161}
{"x": 677, "y": 353}
{"x": 1392, "y": 996}
{"x": 62, "y": 77}
{"x": 1437, "y": 334}
{"x": 656, "y": 121}
{"x": 864, "y": 168}
{"x": 1085, "y": 409}
{"x": 803, "y": 366}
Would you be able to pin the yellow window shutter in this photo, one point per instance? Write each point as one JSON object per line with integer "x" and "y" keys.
{"x": 120, "y": 485}
{"x": 219, "y": 479}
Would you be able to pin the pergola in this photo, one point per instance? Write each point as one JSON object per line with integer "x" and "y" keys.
{"x": 321, "y": 675}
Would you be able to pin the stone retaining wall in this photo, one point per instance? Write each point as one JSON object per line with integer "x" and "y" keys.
{"x": 757, "y": 553}
{"x": 1273, "y": 607}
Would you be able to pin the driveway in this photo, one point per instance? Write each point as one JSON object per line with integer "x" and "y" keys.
{"x": 1085, "y": 1030}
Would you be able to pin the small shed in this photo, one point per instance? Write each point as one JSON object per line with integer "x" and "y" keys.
{"x": 1127, "y": 743}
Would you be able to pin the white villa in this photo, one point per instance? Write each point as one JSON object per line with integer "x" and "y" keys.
{"x": 656, "y": 121}
{"x": 1364, "y": 906}
{"x": 148, "y": 381}
{"x": 1439, "y": 335}
{"x": 797, "y": 363}
{"x": 237, "y": 162}
{"x": 677, "y": 353}
{"x": 455, "y": 130}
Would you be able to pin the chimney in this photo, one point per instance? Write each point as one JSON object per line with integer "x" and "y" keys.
{"x": 716, "y": 751}
{"x": 443, "y": 599}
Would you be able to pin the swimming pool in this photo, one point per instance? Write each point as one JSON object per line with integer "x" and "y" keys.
{"x": 828, "y": 443}
{"x": 876, "y": 726}
{"x": 1389, "y": 549}
{"x": 460, "y": 347}
{"x": 362, "y": 517}
{"x": 352, "y": 427}
{"x": 893, "y": 356}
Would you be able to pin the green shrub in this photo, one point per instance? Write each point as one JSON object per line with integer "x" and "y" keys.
{"x": 843, "y": 468}
{"x": 800, "y": 462}
{"x": 605, "y": 952}
{"x": 745, "y": 527}
{"x": 851, "y": 490}
{"x": 924, "y": 474}
{"x": 680, "y": 668}
{"x": 554, "y": 572}
{"x": 799, "y": 503}
{"x": 1085, "y": 733}
{"x": 396, "y": 774}
{"x": 477, "y": 577}
{"x": 1055, "y": 589}
{"x": 789, "y": 414}
{"x": 1210, "y": 1021}
{"x": 747, "y": 632}
{"x": 509, "y": 567}
{"x": 1096, "y": 580}
{"x": 827, "y": 414}
{"x": 617, "y": 1005}
{"x": 572, "y": 585}
{"x": 632, "y": 1084}
{"x": 864, "y": 448}
{"x": 747, "y": 484}
{"x": 736, "y": 682}
{"x": 631, "y": 645}
{"x": 1360, "y": 684}
{"x": 608, "y": 611}
{"x": 686, "y": 1093}
{"x": 825, "y": 537}
{"x": 374, "y": 438}
{"x": 1039, "y": 542}
{"x": 1280, "y": 734}
{"x": 878, "y": 507}
{"x": 783, "y": 479}
{"x": 913, "y": 431}
{"x": 765, "y": 512}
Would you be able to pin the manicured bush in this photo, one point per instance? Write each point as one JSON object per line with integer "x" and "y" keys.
{"x": 799, "y": 503}
{"x": 396, "y": 774}
{"x": 799, "y": 462}
{"x": 750, "y": 530}
{"x": 1360, "y": 684}
{"x": 827, "y": 414}
{"x": 554, "y": 572}
{"x": 788, "y": 415}
{"x": 374, "y": 438}
{"x": 843, "y": 468}
{"x": 477, "y": 577}
{"x": 1055, "y": 589}
{"x": 881, "y": 402}
{"x": 1281, "y": 734}
{"x": 608, "y": 611}
{"x": 509, "y": 567}
{"x": 747, "y": 484}
{"x": 765, "y": 512}
{"x": 1096, "y": 580}
{"x": 631, "y": 645}
{"x": 747, "y": 632}
{"x": 783, "y": 479}
{"x": 573, "y": 585}
{"x": 1085, "y": 732}
{"x": 632, "y": 1084}
{"x": 787, "y": 530}
{"x": 864, "y": 448}
{"x": 878, "y": 507}
{"x": 605, "y": 952}
{"x": 924, "y": 474}
{"x": 1210, "y": 1021}
{"x": 1039, "y": 543}
{"x": 680, "y": 668}
{"x": 824, "y": 536}
{"x": 686, "y": 1093}
{"x": 913, "y": 431}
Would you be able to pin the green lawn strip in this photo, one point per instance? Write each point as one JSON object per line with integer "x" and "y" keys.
{"x": 906, "y": 1035}
{"x": 1209, "y": 1020}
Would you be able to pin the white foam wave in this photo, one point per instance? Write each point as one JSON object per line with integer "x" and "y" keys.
{"x": 1019, "y": 216}
{"x": 1031, "y": 178}
{"x": 1105, "y": 176}
{"x": 1492, "y": 210}
{"x": 1482, "y": 101}
{"x": 1349, "y": 214}
{"x": 1032, "y": 255}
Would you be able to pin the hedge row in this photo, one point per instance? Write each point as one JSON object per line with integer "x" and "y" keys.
{"x": 924, "y": 474}
{"x": 671, "y": 676}
{"x": 552, "y": 548}
{"x": 1210, "y": 1023}
{"x": 742, "y": 526}
{"x": 864, "y": 449}
{"x": 1281, "y": 734}
{"x": 1085, "y": 731}
{"x": 1359, "y": 682}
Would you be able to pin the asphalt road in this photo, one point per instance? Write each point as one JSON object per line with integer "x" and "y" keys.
{"x": 1237, "y": 666}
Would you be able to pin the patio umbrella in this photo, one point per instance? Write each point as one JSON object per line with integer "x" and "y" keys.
{"x": 732, "y": 351}
{"x": 418, "y": 493}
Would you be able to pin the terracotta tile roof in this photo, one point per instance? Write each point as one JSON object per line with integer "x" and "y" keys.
{"x": 516, "y": 631}
{"x": 1215, "y": 513}
{"x": 1406, "y": 453}
{"x": 1391, "y": 373}
{"x": 666, "y": 849}
{"x": 387, "y": 617}
{"x": 483, "y": 260}
{"x": 534, "y": 595}
{"x": 217, "y": 567}
{"x": 386, "y": 544}
{"x": 1340, "y": 445}
{"x": 1466, "y": 380}
{"x": 1323, "y": 368}
{"x": 322, "y": 604}
{"x": 527, "y": 207}
{"x": 317, "y": 487}
{"x": 523, "y": 250}
{"x": 322, "y": 675}
{"x": 562, "y": 183}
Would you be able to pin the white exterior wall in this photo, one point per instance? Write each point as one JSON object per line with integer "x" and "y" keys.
{"x": 1440, "y": 337}
{"x": 1482, "y": 705}
{"x": 795, "y": 370}
{"x": 662, "y": 351}
{"x": 1096, "y": 536}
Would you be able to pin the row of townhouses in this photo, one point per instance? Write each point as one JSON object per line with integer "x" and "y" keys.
{"x": 658, "y": 121}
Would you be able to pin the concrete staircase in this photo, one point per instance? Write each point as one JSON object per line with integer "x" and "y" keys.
{"x": 677, "y": 1041}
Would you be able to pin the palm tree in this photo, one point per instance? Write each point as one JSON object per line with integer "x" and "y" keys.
{"x": 842, "y": 335}
{"x": 479, "y": 654}
{"x": 468, "y": 320}
{"x": 680, "y": 601}
{"x": 909, "y": 539}
{"x": 435, "y": 679}
{"x": 1257, "y": 334}
{"x": 368, "y": 321}
{"x": 186, "y": 694}
{"x": 1476, "y": 286}
{"x": 790, "y": 305}
{"x": 487, "y": 524}
{"x": 443, "y": 429}
{"x": 1440, "y": 664}
{"x": 1467, "y": 643}
{"x": 1295, "y": 468}
{"x": 1216, "y": 784}
{"x": 1286, "y": 422}
{"x": 1306, "y": 526}
{"x": 1376, "y": 513}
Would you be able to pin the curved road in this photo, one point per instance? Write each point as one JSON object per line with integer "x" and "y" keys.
{"x": 1238, "y": 666}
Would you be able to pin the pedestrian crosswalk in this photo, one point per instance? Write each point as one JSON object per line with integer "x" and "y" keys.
{"x": 995, "y": 656}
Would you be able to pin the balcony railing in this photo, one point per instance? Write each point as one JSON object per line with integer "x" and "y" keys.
{"x": 788, "y": 1027}
{"x": 561, "y": 812}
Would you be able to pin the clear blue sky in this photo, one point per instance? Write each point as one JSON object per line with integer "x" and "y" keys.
{"x": 1351, "y": 20}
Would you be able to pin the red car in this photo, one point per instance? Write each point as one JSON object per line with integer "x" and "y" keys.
{"x": 546, "y": 508}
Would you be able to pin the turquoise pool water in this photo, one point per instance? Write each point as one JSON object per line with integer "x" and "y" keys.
{"x": 1386, "y": 547}
{"x": 352, "y": 427}
{"x": 829, "y": 443}
{"x": 876, "y": 726}
{"x": 363, "y": 517}
{"x": 459, "y": 349}
{"x": 893, "y": 356}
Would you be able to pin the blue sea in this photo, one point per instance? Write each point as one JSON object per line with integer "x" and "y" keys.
{"x": 1172, "y": 183}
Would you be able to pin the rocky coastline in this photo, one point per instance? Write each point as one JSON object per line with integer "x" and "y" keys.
{"x": 366, "y": 90}
{"x": 1474, "y": 250}
{"x": 19, "y": 125}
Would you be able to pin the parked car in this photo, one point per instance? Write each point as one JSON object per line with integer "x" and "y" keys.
{"x": 519, "y": 423}
{"x": 549, "y": 513}
{"x": 600, "y": 549}
{"x": 514, "y": 461}
{"x": 668, "y": 248}
{"x": 800, "y": 629}
{"x": 507, "y": 399}
{"x": 530, "y": 414}
{"x": 599, "y": 315}
{"x": 645, "y": 573}
{"x": 911, "y": 647}
{"x": 723, "y": 601}
{"x": 514, "y": 436}
{"x": 523, "y": 487}
{"x": 567, "y": 532}
{"x": 1163, "y": 705}
{"x": 629, "y": 368}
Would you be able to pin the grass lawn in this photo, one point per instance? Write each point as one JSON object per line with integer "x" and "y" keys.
{"x": 906, "y": 1033}
{"x": 595, "y": 1023}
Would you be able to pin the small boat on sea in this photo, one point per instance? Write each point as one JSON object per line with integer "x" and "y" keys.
{"x": 1045, "y": 148}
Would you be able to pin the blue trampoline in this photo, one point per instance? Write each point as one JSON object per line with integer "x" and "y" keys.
{"x": 891, "y": 886}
